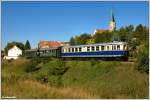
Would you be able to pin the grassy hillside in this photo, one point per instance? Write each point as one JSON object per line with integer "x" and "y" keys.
{"x": 72, "y": 79}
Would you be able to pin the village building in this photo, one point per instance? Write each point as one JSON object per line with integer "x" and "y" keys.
{"x": 112, "y": 26}
{"x": 51, "y": 44}
{"x": 13, "y": 53}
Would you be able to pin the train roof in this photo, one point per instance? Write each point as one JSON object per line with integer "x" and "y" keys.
{"x": 48, "y": 48}
{"x": 42, "y": 49}
{"x": 110, "y": 43}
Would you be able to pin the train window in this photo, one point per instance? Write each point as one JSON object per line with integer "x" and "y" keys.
{"x": 79, "y": 49}
{"x": 92, "y": 48}
{"x": 76, "y": 49}
{"x": 72, "y": 49}
{"x": 97, "y": 48}
{"x": 68, "y": 49}
{"x": 114, "y": 47}
{"x": 102, "y": 48}
{"x": 107, "y": 47}
{"x": 118, "y": 47}
{"x": 88, "y": 48}
{"x": 124, "y": 47}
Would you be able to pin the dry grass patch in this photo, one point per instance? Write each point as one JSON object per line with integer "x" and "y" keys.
{"x": 32, "y": 89}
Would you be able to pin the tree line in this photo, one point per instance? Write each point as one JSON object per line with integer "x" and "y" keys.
{"x": 136, "y": 37}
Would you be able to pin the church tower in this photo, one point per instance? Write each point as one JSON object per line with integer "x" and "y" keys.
{"x": 112, "y": 24}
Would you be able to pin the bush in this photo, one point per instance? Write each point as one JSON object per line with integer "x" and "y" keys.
{"x": 143, "y": 60}
{"x": 59, "y": 68}
{"x": 31, "y": 66}
{"x": 93, "y": 62}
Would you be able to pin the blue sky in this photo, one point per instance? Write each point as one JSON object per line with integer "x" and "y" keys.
{"x": 36, "y": 21}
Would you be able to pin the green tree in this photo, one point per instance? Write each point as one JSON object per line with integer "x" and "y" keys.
{"x": 27, "y": 45}
{"x": 82, "y": 39}
{"x": 102, "y": 37}
{"x": 130, "y": 28}
{"x": 72, "y": 41}
{"x": 90, "y": 41}
{"x": 143, "y": 59}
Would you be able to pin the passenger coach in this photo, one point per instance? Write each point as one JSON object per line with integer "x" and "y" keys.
{"x": 102, "y": 50}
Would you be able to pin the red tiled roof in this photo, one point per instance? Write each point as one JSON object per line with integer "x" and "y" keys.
{"x": 101, "y": 30}
{"x": 49, "y": 44}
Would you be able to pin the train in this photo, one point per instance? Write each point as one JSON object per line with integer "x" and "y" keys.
{"x": 111, "y": 50}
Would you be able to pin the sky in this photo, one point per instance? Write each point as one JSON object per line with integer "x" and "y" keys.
{"x": 59, "y": 21}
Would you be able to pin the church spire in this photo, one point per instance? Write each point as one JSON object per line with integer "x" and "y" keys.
{"x": 112, "y": 16}
{"x": 112, "y": 23}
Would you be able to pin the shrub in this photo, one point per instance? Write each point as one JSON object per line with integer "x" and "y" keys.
{"x": 31, "y": 66}
{"x": 42, "y": 77}
{"x": 93, "y": 62}
{"x": 59, "y": 68}
{"x": 143, "y": 60}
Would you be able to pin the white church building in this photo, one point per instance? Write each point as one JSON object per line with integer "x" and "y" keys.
{"x": 13, "y": 53}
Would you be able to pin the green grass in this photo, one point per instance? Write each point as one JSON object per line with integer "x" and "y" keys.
{"x": 74, "y": 79}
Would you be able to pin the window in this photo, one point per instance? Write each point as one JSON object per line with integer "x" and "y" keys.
{"x": 113, "y": 47}
{"x": 79, "y": 49}
{"x": 107, "y": 47}
{"x": 68, "y": 49}
{"x": 72, "y": 49}
{"x": 97, "y": 48}
{"x": 93, "y": 48}
{"x": 118, "y": 47}
{"x": 102, "y": 48}
{"x": 88, "y": 48}
{"x": 64, "y": 50}
{"x": 76, "y": 49}
{"x": 124, "y": 47}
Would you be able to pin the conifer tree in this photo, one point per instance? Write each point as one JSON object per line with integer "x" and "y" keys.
{"x": 27, "y": 45}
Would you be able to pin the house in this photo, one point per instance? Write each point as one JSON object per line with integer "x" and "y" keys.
{"x": 50, "y": 44}
{"x": 13, "y": 53}
{"x": 100, "y": 31}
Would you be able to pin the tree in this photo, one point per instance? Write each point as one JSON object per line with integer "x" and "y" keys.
{"x": 143, "y": 59}
{"x": 84, "y": 37}
{"x": 129, "y": 28}
{"x": 90, "y": 41}
{"x": 27, "y": 45}
{"x": 102, "y": 37}
{"x": 72, "y": 41}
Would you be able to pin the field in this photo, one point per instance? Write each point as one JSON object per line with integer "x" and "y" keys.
{"x": 54, "y": 78}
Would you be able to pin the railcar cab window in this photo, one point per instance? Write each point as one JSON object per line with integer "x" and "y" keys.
{"x": 113, "y": 47}
{"x": 107, "y": 47}
{"x": 79, "y": 49}
{"x": 102, "y": 47}
{"x": 88, "y": 48}
{"x": 72, "y": 49}
{"x": 68, "y": 49}
{"x": 118, "y": 47}
{"x": 92, "y": 48}
{"x": 76, "y": 49}
{"x": 97, "y": 48}
{"x": 124, "y": 47}
{"x": 64, "y": 50}
{"x": 47, "y": 51}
